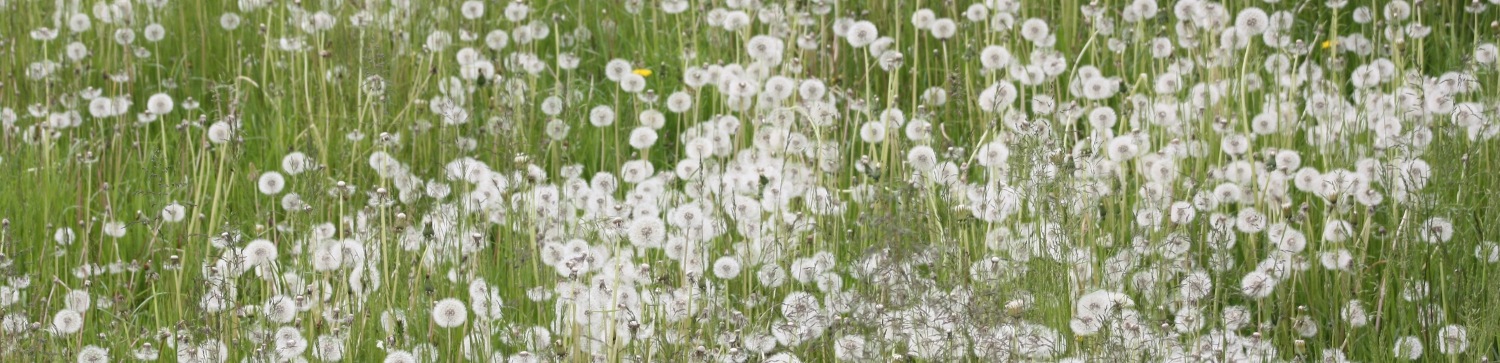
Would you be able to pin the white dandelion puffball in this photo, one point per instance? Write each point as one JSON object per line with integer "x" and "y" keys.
{"x": 399, "y": 356}
{"x": 632, "y": 83}
{"x": 1437, "y": 230}
{"x": 862, "y": 33}
{"x": 66, "y": 322}
{"x": 173, "y": 212}
{"x": 993, "y": 154}
{"x": 647, "y": 231}
{"x": 1408, "y": 347}
{"x": 64, "y": 236}
{"x": 114, "y": 229}
{"x": 93, "y": 354}
{"x": 295, "y": 163}
{"x": 160, "y": 104}
{"x": 260, "y": 252}
{"x": 155, "y": 32}
{"x": 726, "y": 267}
{"x": 449, "y": 313}
{"x": 994, "y": 57}
{"x": 271, "y": 183}
{"x": 472, "y": 9}
{"x": 79, "y": 22}
{"x": 922, "y": 158}
{"x": 280, "y": 309}
{"x": 602, "y": 116}
{"x": 77, "y": 300}
{"x": 220, "y": 132}
{"x": 1453, "y": 339}
{"x": 944, "y": 28}
{"x": 642, "y": 137}
{"x": 229, "y": 21}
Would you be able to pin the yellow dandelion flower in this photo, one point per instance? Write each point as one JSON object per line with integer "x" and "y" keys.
{"x": 1327, "y": 43}
{"x": 642, "y": 72}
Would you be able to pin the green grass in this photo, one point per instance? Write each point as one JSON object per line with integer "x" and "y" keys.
{"x": 119, "y": 169}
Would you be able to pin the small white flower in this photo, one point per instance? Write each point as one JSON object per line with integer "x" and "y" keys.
{"x": 449, "y": 313}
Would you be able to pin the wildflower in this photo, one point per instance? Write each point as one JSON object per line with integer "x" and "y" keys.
{"x": 994, "y": 57}
{"x": 637, "y": 171}
{"x": 1408, "y": 348}
{"x": 79, "y": 22}
{"x": 66, "y": 322}
{"x": 146, "y": 352}
{"x": 114, "y": 229}
{"x": 674, "y": 6}
{"x": 1397, "y": 10}
{"x": 1452, "y": 340}
{"x": 220, "y": 132}
{"x": 1196, "y": 286}
{"x": 647, "y": 231}
{"x": 997, "y": 97}
{"x": 1252, "y": 21}
{"x": 633, "y": 82}
{"x": 1189, "y": 319}
{"x": 861, "y": 34}
{"x": 783, "y": 358}
{"x": 329, "y": 348}
{"x": 1486, "y": 53}
{"x": 517, "y": 11}
{"x": 872, "y": 132}
{"x": 124, "y": 36}
{"x": 923, "y": 18}
{"x": 449, "y": 313}
{"x": 93, "y": 354}
{"x": 943, "y": 28}
{"x": 849, "y": 348}
{"x": 64, "y": 236}
{"x": 726, "y": 267}
{"x": 760, "y": 47}
{"x": 279, "y": 309}
{"x": 159, "y": 104}
{"x": 155, "y": 32}
{"x": 735, "y": 20}
{"x": 1437, "y": 230}
{"x": 1285, "y": 238}
{"x": 76, "y": 51}
{"x": 1487, "y": 251}
{"x": 1236, "y": 317}
{"x": 1034, "y": 29}
{"x": 78, "y": 300}
{"x": 679, "y": 102}
{"x": 811, "y": 89}
{"x": 1257, "y": 285}
{"x": 288, "y": 342}
{"x": 642, "y": 137}
{"x": 652, "y": 119}
{"x": 271, "y": 183}
{"x": 1339, "y": 259}
{"x": 471, "y": 9}
{"x": 260, "y": 252}
{"x": 1098, "y": 88}
{"x": 977, "y": 13}
{"x": 922, "y": 158}
{"x": 557, "y": 130}
{"x": 771, "y": 275}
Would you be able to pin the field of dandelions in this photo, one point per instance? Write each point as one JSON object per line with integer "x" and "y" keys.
{"x": 526, "y": 181}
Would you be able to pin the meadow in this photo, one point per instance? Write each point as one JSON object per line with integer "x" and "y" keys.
{"x": 729, "y": 181}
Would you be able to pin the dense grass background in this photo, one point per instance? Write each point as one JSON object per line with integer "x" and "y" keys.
{"x": 118, "y": 169}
